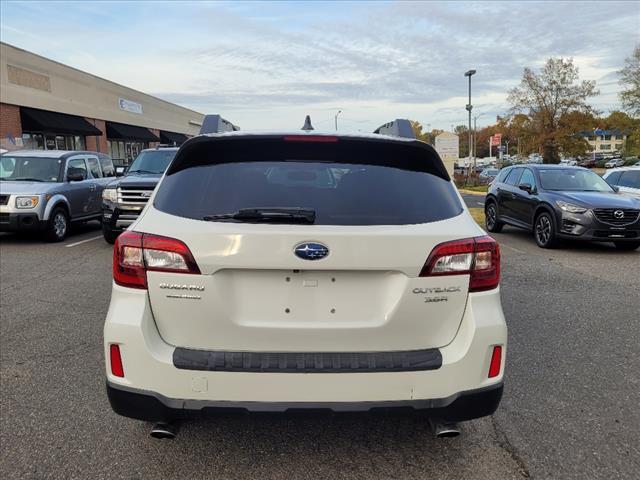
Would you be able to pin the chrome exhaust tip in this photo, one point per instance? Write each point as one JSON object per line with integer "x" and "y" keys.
{"x": 445, "y": 429}
{"x": 164, "y": 431}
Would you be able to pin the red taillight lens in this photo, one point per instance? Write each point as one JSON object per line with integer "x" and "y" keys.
{"x": 136, "y": 253}
{"x": 311, "y": 138}
{"x": 478, "y": 257}
{"x": 496, "y": 362}
{"x": 115, "y": 360}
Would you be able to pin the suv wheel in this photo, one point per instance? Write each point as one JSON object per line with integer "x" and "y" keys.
{"x": 108, "y": 234}
{"x": 58, "y": 225}
{"x": 491, "y": 218}
{"x": 544, "y": 231}
{"x": 627, "y": 246}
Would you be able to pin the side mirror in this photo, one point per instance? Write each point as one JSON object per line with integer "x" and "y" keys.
{"x": 75, "y": 176}
{"x": 120, "y": 171}
{"x": 526, "y": 187}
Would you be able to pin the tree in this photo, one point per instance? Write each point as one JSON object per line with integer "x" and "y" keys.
{"x": 462, "y": 131}
{"x": 630, "y": 80}
{"x": 546, "y": 96}
{"x": 417, "y": 130}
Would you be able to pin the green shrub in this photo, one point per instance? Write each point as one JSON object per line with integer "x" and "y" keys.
{"x": 600, "y": 163}
{"x": 630, "y": 161}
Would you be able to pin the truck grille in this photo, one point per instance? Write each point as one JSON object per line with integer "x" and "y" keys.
{"x": 617, "y": 216}
{"x": 134, "y": 196}
{"x": 4, "y": 199}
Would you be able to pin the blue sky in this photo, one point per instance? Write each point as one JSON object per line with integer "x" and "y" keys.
{"x": 264, "y": 65}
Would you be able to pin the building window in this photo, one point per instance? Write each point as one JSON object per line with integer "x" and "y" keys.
{"x": 619, "y": 146}
{"x": 125, "y": 151}
{"x": 605, "y": 146}
{"x": 41, "y": 141}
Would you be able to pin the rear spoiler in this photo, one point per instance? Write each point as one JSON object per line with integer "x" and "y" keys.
{"x": 217, "y": 124}
{"x": 399, "y": 127}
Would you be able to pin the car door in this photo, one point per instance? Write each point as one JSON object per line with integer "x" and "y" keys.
{"x": 629, "y": 182}
{"x": 79, "y": 193}
{"x": 506, "y": 193}
{"x": 524, "y": 202}
{"x": 97, "y": 184}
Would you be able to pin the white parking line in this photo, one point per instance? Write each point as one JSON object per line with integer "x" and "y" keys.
{"x": 83, "y": 241}
{"x": 512, "y": 248}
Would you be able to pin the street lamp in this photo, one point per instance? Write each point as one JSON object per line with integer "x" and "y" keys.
{"x": 469, "y": 107}
{"x": 336, "y": 119}
{"x": 475, "y": 135}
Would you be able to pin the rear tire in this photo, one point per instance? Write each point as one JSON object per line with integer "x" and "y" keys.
{"x": 109, "y": 235}
{"x": 627, "y": 246}
{"x": 544, "y": 231}
{"x": 58, "y": 225}
{"x": 491, "y": 218}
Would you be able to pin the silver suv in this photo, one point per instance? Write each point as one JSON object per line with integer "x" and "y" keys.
{"x": 46, "y": 190}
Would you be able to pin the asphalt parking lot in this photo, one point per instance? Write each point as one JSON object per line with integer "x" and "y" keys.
{"x": 570, "y": 408}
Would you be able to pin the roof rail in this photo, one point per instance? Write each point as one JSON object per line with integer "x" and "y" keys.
{"x": 399, "y": 127}
{"x": 216, "y": 124}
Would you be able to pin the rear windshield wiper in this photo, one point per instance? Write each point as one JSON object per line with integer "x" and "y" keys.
{"x": 266, "y": 215}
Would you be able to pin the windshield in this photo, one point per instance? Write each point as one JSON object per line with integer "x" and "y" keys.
{"x": 573, "y": 180}
{"x": 30, "y": 169}
{"x": 152, "y": 161}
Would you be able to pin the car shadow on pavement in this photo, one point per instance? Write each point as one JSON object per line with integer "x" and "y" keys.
{"x": 348, "y": 445}
{"x": 564, "y": 246}
{"x": 75, "y": 230}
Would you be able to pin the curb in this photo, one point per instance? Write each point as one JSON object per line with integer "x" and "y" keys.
{"x": 472, "y": 192}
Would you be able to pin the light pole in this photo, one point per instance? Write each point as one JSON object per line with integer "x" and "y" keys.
{"x": 336, "y": 118}
{"x": 595, "y": 140}
{"x": 469, "y": 107}
{"x": 475, "y": 135}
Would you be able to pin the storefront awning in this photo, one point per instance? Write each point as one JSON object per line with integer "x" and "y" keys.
{"x": 35, "y": 120}
{"x": 172, "y": 138}
{"x": 129, "y": 132}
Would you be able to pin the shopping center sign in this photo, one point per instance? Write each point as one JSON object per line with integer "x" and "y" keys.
{"x": 130, "y": 106}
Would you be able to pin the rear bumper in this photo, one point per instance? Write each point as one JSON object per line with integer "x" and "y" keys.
{"x": 20, "y": 222}
{"x": 150, "y": 406}
{"x": 157, "y": 385}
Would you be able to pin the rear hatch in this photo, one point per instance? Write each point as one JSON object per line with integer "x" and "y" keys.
{"x": 347, "y": 279}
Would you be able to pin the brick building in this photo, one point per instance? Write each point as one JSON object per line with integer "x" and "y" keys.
{"x": 48, "y": 105}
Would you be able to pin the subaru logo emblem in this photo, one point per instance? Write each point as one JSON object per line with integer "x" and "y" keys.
{"x": 618, "y": 214}
{"x": 311, "y": 251}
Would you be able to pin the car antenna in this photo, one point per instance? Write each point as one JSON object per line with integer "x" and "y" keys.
{"x": 307, "y": 124}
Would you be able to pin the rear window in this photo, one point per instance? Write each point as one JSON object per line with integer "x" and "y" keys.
{"x": 340, "y": 192}
{"x": 630, "y": 178}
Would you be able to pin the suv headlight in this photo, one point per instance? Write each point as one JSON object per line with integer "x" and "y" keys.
{"x": 27, "y": 202}
{"x": 110, "y": 195}
{"x": 570, "y": 207}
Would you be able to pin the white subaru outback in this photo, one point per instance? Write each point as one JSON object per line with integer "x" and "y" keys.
{"x": 279, "y": 272}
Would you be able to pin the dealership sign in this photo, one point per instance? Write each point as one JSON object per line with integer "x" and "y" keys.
{"x": 496, "y": 139}
{"x": 130, "y": 106}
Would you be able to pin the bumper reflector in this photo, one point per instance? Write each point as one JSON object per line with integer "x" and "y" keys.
{"x": 116, "y": 360}
{"x": 496, "y": 362}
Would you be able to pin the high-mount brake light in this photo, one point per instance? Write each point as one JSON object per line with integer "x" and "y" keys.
{"x": 477, "y": 257}
{"x": 311, "y": 138}
{"x": 134, "y": 254}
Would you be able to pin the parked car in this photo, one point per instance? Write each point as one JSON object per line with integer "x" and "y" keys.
{"x": 588, "y": 162}
{"x": 488, "y": 175}
{"x": 124, "y": 198}
{"x": 46, "y": 190}
{"x": 251, "y": 282}
{"x": 625, "y": 179}
{"x": 614, "y": 162}
{"x": 569, "y": 162}
{"x": 556, "y": 202}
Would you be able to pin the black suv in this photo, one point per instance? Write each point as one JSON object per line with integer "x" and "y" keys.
{"x": 124, "y": 198}
{"x": 559, "y": 202}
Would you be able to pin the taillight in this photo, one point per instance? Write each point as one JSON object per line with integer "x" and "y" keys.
{"x": 115, "y": 360}
{"x": 496, "y": 362}
{"x": 477, "y": 257}
{"x": 134, "y": 254}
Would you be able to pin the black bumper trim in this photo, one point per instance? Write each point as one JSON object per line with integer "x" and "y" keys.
{"x": 153, "y": 407}
{"x": 21, "y": 222}
{"x": 307, "y": 362}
